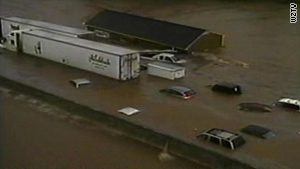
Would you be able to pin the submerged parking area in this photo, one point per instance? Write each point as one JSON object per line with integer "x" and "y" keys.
{"x": 167, "y": 115}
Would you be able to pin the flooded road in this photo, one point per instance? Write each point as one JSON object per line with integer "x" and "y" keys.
{"x": 261, "y": 54}
{"x": 37, "y": 135}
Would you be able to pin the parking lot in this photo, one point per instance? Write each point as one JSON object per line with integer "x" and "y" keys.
{"x": 260, "y": 55}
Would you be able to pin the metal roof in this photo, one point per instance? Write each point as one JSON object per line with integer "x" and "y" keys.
{"x": 112, "y": 49}
{"x": 148, "y": 29}
{"x": 31, "y": 24}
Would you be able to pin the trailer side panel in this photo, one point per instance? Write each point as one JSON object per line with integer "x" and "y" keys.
{"x": 77, "y": 56}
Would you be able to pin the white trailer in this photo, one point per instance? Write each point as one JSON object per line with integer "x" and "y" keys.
{"x": 9, "y": 24}
{"x": 108, "y": 60}
{"x": 166, "y": 70}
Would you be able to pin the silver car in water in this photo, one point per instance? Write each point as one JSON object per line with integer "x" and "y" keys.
{"x": 179, "y": 91}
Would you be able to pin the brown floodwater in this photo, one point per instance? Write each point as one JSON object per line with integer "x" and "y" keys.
{"x": 37, "y": 135}
{"x": 261, "y": 53}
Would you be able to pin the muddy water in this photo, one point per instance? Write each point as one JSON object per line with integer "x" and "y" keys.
{"x": 258, "y": 35}
{"x": 36, "y": 135}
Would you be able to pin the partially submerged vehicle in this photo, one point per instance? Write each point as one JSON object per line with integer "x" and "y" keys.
{"x": 79, "y": 82}
{"x": 228, "y": 88}
{"x": 258, "y": 131}
{"x": 255, "y": 107}
{"x": 289, "y": 103}
{"x": 223, "y": 138}
{"x": 179, "y": 91}
{"x": 128, "y": 111}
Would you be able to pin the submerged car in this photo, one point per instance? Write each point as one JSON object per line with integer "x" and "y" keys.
{"x": 179, "y": 91}
{"x": 255, "y": 107}
{"x": 228, "y": 88}
{"x": 223, "y": 138}
{"x": 289, "y": 103}
{"x": 258, "y": 131}
{"x": 79, "y": 82}
{"x": 128, "y": 111}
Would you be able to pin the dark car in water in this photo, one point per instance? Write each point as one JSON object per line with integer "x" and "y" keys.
{"x": 227, "y": 88}
{"x": 255, "y": 107}
{"x": 179, "y": 91}
{"x": 258, "y": 131}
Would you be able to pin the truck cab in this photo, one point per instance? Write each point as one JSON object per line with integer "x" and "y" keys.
{"x": 167, "y": 57}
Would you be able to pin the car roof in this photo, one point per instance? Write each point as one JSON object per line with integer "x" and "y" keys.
{"x": 257, "y": 130}
{"x": 290, "y": 101}
{"x": 180, "y": 88}
{"x": 256, "y": 106}
{"x": 226, "y": 135}
{"x": 227, "y": 84}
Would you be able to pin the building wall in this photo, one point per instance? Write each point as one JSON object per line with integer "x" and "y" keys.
{"x": 207, "y": 42}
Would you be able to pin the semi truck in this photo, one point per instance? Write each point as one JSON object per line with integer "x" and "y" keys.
{"x": 109, "y": 60}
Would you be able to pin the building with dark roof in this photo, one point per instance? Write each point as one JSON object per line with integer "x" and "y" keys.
{"x": 153, "y": 32}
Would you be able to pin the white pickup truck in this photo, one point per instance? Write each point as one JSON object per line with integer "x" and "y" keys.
{"x": 165, "y": 57}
